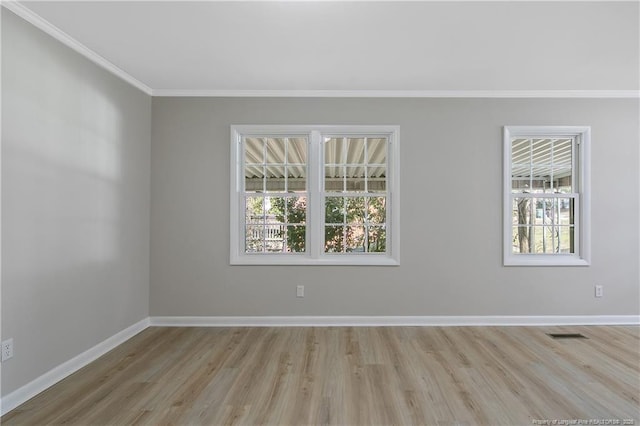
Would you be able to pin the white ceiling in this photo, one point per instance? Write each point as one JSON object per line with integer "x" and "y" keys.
{"x": 340, "y": 46}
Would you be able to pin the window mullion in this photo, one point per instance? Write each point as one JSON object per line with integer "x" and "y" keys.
{"x": 575, "y": 168}
{"x": 576, "y": 223}
{"x": 315, "y": 196}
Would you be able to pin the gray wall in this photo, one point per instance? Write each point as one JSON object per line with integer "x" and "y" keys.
{"x": 76, "y": 209}
{"x": 75, "y": 202}
{"x": 451, "y": 184}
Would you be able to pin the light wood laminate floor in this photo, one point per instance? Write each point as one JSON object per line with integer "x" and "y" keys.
{"x": 352, "y": 376}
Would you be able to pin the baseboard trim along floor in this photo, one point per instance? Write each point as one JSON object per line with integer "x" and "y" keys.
{"x": 67, "y": 368}
{"x": 21, "y": 395}
{"x": 391, "y": 321}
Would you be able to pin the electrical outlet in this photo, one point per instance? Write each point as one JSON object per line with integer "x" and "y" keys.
{"x": 300, "y": 291}
{"x": 599, "y": 291}
{"x": 7, "y": 349}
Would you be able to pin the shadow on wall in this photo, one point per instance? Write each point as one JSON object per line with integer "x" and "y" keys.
{"x": 67, "y": 195}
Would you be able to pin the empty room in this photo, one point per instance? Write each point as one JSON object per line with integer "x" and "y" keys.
{"x": 320, "y": 212}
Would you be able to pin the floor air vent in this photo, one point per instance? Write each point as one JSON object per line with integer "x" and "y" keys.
{"x": 567, "y": 336}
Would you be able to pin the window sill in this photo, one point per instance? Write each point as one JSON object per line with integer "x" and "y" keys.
{"x": 545, "y": 260}
{"x": 329, "y": 260}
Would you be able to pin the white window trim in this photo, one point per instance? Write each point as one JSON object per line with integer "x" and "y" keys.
{"x": 315, "y": 231}
{"x": 582, "y": 257}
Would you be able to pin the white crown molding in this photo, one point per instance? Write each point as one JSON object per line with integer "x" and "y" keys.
{"x": 42, "y": 24}
{"x": 28, "y": 15}
{"x": 421, "y": 1}
{"x": 39, "y": 22}
{"x": 587, "y": 94}
{"x": 67, "y": 368}
{"x": 395, "y": 321}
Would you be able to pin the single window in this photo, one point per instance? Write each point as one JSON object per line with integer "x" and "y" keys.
{"x": 546, "y": 195}
{"x": 314, "y": 195}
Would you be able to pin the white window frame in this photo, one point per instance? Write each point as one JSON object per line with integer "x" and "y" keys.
{"x": 581, "y": 178}
{"x": 314, "y": 254}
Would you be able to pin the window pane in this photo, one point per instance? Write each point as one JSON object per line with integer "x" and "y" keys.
{"x": 552, "y": 230}
{"x": 376, "y": 178}
{"x": 272, "y": 172}
{"x": 565, "y": 236}
{"x": 275, "y": 148}
{"x": 286, "y": 209}
{"x": 355, "y": 151}
{"x": 334, "y": 178}
{"x": 541, "y": 239}
{"x": 521, "y": 239}
{"x": 562, "y": 179}
{"x": 334, "y": 210}
{"x": 274, "y": 238}
{"x": 540, "y": 179}
{"x": 521, "y": 171}
{"x": 276, "y": 208}
{"x": 521, "y": 213}
{"x": 297, "y": 151}
{"x": 335, "y": 150}
{"x": 254, "y": 238}
{"x": 562, "y": 155}
{"x": 355, "y": 209}
{"x": 377, "y": 185}
{"x": 520, "y": 165}
{"x": 544, "y": 239}
{"x": 296, "y": 178}
{"x": 541, "y": 151}
{"x": 520, "y": 184}
{"x": 354, "y": 239}
{"x": 377, "y": 242}
{"x": 346, "y": 168}
{"x": 355, "y": 179}
{"x": 344, "y": 150}
{"x": 297, "y": 210}
{"x": 275, "y": 181}
{"x": 543, "y": 211}
{"x": 565, "y": 211}
{"x": 267, "y": 223}
{"x": 521, "y": 151}
{"x": 541, "y": 165}
{"x": 377, "y": 151}
{"x": 254, "y": 178}
{"x": 333, "y": 239}
{"x": 521, "y": 181}
{"x": 377, "y": 210}
{"x": 563, "y": 165}
{"x": 296, "y": 238}
{"x": 253, "y": 151}
{"x": 254, "y": 208}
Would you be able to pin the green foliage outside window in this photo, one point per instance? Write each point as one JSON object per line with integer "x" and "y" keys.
{"x": 352, "y": 224}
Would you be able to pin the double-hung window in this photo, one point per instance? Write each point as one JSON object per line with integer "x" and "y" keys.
{"x": 314, "y": 195}
{"x": 546, "y": 195}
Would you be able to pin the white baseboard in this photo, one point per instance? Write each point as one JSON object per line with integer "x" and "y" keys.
{"x": 53, "y": 376}
{"x": 381, "y": 321}
{"x": 28, "y": 391}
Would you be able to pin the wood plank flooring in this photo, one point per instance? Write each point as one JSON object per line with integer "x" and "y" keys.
{"x": 352, "y": 376}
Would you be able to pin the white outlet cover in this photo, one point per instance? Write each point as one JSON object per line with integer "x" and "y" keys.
{"x": 7, "y": 349}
